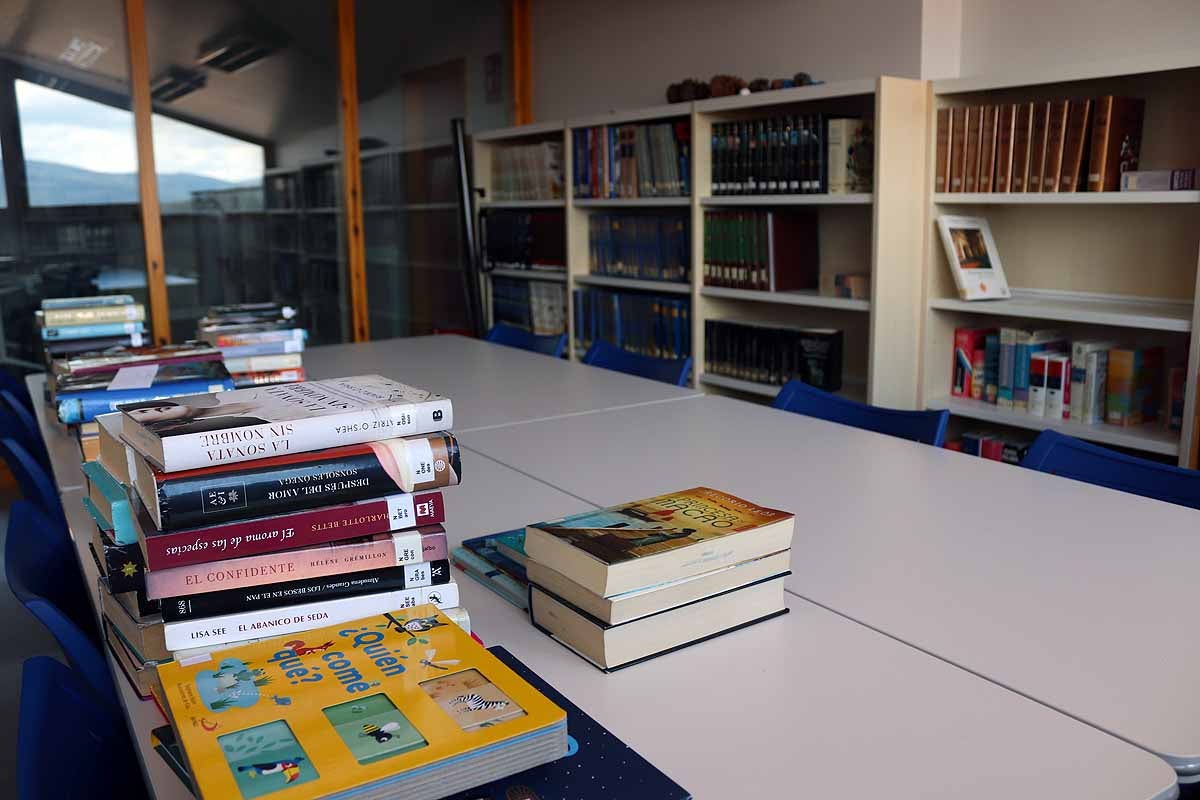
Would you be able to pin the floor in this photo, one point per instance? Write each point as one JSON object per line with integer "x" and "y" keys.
{"x": 23, "y": 637}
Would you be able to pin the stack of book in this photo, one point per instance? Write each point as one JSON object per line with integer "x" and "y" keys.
{"x": 527, "y": 172}
{"x": 397, "y": 704}
{"x": 646, "y": 324}
{"x": 82, "y": 324}
{"x": 1063, "y": 145}
{"x": 772, "y": 355}
{"x": 260, "y": 342}
{"x": 1044, "y": 373}
{"x": 82, "y": 386}
{"x": 627, "y": 161}
{"x": 269, "y": 511}
{"x": 797, "y": 154}
{"x": 650, "y": 247}
{"x": 627, "y": 583}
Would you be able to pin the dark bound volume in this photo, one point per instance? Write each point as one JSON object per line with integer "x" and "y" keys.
{"x": 308, "y": 590}
{"x": 1022, "y": 138}
{"x": 1037, "y": 146}
{"x": 974, "y": 134}
{"x": 958, "y": 148}
{"x": 941, "y": 174}
{"x": 1116, "y": 141}
{"x": 1075, "y": 147}
{"x": 987, "y": 148}
{"x": 1005, "y": 127}
{"x": 284, "y": 484}
{"x": 1056, "y": 135}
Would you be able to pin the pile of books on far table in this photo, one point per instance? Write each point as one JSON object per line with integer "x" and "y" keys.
{"x": 81, "y": 324}
{"x": 260, "y": 342}
{"x": 229, "y": 517}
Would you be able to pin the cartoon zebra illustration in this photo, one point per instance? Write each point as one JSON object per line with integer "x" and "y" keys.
{"x": 475, "y": 702}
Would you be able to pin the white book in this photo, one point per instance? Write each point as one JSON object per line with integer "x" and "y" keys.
{"x": 1058, "y": 383}
{"x": 1038, "y": 370}
{"x": 210, "y": 631}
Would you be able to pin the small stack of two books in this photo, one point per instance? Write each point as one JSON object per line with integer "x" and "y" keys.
{"x": 627, "y": 583}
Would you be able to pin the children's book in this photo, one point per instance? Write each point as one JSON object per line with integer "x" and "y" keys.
{"x": 598, "y": 765}
{"x": 403, "y": 704}
{"x": 660, "y": 539}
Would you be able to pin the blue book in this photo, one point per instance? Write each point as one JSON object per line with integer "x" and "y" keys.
{"x": 95, "y": 331}
{"x": 486, "y": 573}
{"x": 79, "y": 407}
{"x": 109, "y": 501}
{"x": 597, "y": 766}
{"x": 87, "y": 302}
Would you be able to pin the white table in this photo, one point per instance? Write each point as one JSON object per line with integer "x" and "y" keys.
{"x": 806, "y": 705}
{"x": 1070, "y": 594}
{"x": 491, "y": 384}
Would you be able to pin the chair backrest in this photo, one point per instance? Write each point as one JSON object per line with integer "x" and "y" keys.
{"x": 36, "y": 485}
{"x": 82, "y": 652}
{"x": 609, "y": 356}
{"x": 22, "y": 425}
{"x": 1059, "y": 454}
{"x": 16, "y": 385}
{"x": 68, "y": 743}
{"x": 927, "y": 427}
{"x": 40, "y": 564}
{"x": 552, "y": 345}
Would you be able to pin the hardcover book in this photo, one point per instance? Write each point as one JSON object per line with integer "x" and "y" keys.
{"x": 1037, "y": 146}
{"x": 958, "y": 147}
{"x": 987, "y": 148}
{"x": 85, "y": 406}
{"x": 86, "y": 302}
{"x": 1056, "y": 134}
{"x": 295, "y": 482}
{"x": 598, "y": 765}
{"x": 973, "y": 144}
{"x": 647, "y": 542}
{"x": 286, "y": 531}
{"x": 941, "y": 176}
{"x": 245, "y": 424}
{"x": 148, "y": 375}
{"x": 343, "y": 558}
{"x": 92, "y": 315}
{"x": 487, "y": 574}
{"x": 1116, "y": 141}
{"x": 109, "y": 503}
{"x": 109, "y": 360}
{"x": 973, "y": 258}
{"x": 1022, "y": 140}
{"x": 1005, "y": 134}
{"x": 1075, "y": 148}
{"x": 401, "y": 704}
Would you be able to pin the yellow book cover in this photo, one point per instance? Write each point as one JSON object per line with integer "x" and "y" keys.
{"x": 348, "y": 706}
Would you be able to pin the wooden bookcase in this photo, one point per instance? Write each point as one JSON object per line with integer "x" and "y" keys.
{"x": 878, "y": 232}
{"x": 1110, "y": 265}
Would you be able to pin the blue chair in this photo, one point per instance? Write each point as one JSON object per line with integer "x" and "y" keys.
{"x": 1059, "y": 454}
{"x": 68, "y": 743}
{"x": 41, "y": 564}
{"x": 668, "y": 370}
{"x": 82, "y": 652}
{"x": 36, "y": 485}
{"x": 552, "y": 345}
{"x": 15, "y": 385}
{"x": 927, "y": 427}
{"x": 18, "y": 422}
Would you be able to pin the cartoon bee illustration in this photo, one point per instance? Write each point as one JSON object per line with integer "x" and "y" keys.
{"x": 414, "y": 626}
{"x": 428, "y": 661}
{"x": 380, "y": 733}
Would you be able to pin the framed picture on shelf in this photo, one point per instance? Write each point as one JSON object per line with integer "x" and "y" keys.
{"x": 974, "y": 260}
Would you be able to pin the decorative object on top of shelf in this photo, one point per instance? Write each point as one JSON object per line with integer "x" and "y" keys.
{"x": 729, "y": 85}
{"x": 726, "y": 85}
{"x": 926, "y": 427}
{"x": 688, "y": 90}
{"x": 973, "y": 258}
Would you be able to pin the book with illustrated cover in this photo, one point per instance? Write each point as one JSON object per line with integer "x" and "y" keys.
{"x": 598, "y": 765}
{"x": 286, "y": 531}
{"x": 93, "y": 315}
{"x": 343, "y": 558}
{"x": 97, "y": 331}
{"x": 402, "y": 704}
{"x": 297, "y": 481}
{"x": 204, "y": 430}
{"x": 646, "y": 542}
{"x": 110, "y": 360}
{"x": 156, "y": 375}
{"x": 85, "y": 406}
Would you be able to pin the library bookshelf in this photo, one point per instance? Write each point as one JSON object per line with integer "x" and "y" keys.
{"x": 878, "y": 232}
{"x": 1120, "y": 266}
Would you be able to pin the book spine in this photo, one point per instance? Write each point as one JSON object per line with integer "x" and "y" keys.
{"x": 302, "y": 617}
{"x": 85, "y": 406}
{"x": 58, "y": 317}
{"x": 1038, "y": 370}
{"x": 243, "y": 380}
{"x": 1075, "y": 143}
{"x": 195, "y": 450}
{"x": 264, "y": 349}
{"x": 1160, "y": 180}
{"x": 1005, "y": 131}
{"x": 1056, "y": 134}
{"x": 1037, "y": 146}
{"x": 87, "y": 302}
{"x": 338, "y": 558}
{"x": 1022, "y": 137}
{"x": 1101, "y": 130}
{"x": 309, "y": 590}
{"x": 991, "y": 367}
{"x": 258, "y": 337}
{"x": 94, "y": 331}
{"x": 1124, "y": 375}
{"x": 840, "y": 133}
{"x": 1080, "y": 360}
{"x": 987, "y": 148}
{"x": 941, "y": 176}
{"x": 974, "y": 122}
{"x": 288, "y": 531}
{"x": 264, "y": 363}
{"x": 958, "y": 148}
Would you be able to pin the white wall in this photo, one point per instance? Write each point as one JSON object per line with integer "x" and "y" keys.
{"x": 1000, "y": 34}
{"x": 590, "y": 57}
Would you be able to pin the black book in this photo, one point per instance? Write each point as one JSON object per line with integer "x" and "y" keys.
{"x": 307, "y": 590}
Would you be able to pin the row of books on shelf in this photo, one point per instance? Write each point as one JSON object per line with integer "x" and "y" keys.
{"x": 795, "y": 154}
{"x": 536, "y": 306}
{"x": 621, "y": 585}
{"x": 523, "y": 239}
{"x": 627, "y": 161}
{"x": 527, "y": 172}
{"x": 772, "y": 355}
{"x": 776, "y": 250}
{"x": 645, "y": 246}
{"x": 1064, "y": 145}
{"x": 642, "y": 323}
{"x": 1045, "y": 374}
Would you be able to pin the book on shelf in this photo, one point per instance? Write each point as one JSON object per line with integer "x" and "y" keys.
{"x": 846, "y": 285}
{"x": 973, "y": 120}
{"x": 1176, "y": 394}
{"x": 989, "y": 130}
{"x": 1075, "y": 145}
{"x": 944, "y": 135}
{"x": 527, "y": 172}
{"x": 536, "y": 306}
{"x": 646, "y": 324}
{"x": 1116, "y": 141}
{"x": 1160, "y": 180}
{"x": 245, "y": 424}
{"x": 958, "y": 147}
{"x": 646, "y": 542}
{"x": 61, "y": 303}
{"x": 762, "y": 250}
{"x": 1089, "y": 379}
{"x": 792, "y": 154}
{"x": 1126, "y": 378}
{"x": 523, "y": 238}
{"x": 774, "y": 355}
{"x": 296, "y": 481}
{"x": 483, "y": 562}
{"x": 1006, "y": 128}
{"x": 644, "y": 246}
{"x": 358, "y": 719}
{"x": 1056, "y": 135}
{"x": 1022, "y": 147}
{"x": 850, "y": 156}
{"x": 966, "y": 380}
{"x": 990, "y": 446}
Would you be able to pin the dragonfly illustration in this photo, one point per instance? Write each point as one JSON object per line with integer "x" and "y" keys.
{"x": 428, "y": 661}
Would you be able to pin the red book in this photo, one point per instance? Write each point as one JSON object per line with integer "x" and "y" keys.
{"x": 966, "y": 342}
{"x": 285, "y": 531}
{"x": 991, "y": 448}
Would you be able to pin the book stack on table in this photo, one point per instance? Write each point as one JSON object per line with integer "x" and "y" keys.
{"x": 260, "y": 342}
{"x": 82, "y": 324}
{"x": 270, "y": 511}
{"x": 627, "y": 583}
